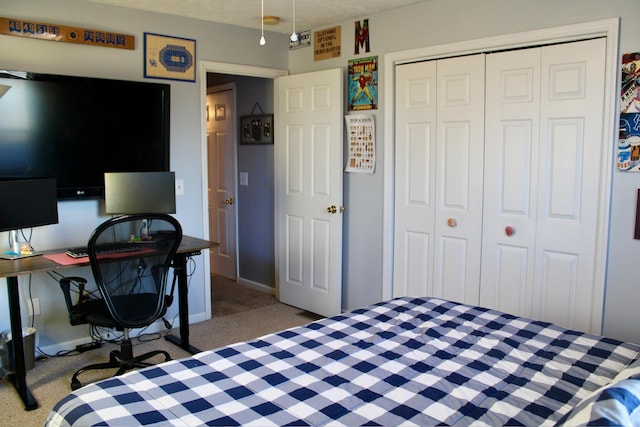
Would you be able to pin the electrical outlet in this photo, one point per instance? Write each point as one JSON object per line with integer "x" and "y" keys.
{"x": 35, "y": 309}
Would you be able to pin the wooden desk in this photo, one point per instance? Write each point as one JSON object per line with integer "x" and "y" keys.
{"x": 11, "y": 269}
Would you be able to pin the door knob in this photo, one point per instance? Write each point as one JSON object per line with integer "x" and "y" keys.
{"x": 228, "y": 201}
{"x": 334, "y": 209}
{"x": 451, "y": 222}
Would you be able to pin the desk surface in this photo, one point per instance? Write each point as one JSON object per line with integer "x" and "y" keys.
{"x": 40, "y": 264}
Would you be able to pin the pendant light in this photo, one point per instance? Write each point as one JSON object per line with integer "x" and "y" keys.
{"x": 294, "y": 35}
{"x": 262, "y": 41}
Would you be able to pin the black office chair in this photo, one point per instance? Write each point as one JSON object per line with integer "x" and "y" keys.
{"x": 132, "y": 284}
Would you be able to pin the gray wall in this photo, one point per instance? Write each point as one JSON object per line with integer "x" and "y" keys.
{"x": 429, "y": 23}
{"x": 214, "y": 42}
{"x": 439, "y": 22}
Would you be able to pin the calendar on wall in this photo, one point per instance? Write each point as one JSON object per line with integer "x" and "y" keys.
{"x": 361, "y": 134}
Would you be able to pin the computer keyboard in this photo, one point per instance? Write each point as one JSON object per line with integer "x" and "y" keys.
{"x": 104, "y": 248}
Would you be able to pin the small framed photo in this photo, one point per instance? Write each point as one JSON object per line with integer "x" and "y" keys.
{"x": 171, "y": 58}
{"x": 220, "y": 112}
{"x": 256, "y": 129}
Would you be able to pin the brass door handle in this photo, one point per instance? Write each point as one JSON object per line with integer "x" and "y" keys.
{"x": 228, "y": 201}
{"x": 334, "y": 209}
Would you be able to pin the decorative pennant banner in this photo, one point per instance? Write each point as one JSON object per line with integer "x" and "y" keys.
{"x": 62, "y": 33}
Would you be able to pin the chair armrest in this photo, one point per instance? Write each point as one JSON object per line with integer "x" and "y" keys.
{"x": 75, "y": 316}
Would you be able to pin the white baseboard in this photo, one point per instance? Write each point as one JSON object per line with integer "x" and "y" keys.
{"x": 257, "y": 286}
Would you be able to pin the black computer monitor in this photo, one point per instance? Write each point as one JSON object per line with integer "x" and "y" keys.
{"x": 26, "y": 203}
{"x": 139, "y": 192}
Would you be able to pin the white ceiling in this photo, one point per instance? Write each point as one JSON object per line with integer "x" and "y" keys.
{"x": 246, "y": 13}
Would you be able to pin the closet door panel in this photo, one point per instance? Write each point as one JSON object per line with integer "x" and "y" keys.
{"x": 459, "y": 172}
{"x": 415, "y": 179}
{"x": 511, "y": 168}
{"x": 569, "y": 206}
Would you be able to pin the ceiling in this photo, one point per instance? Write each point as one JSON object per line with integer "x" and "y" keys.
{"x": 310, "y": 14}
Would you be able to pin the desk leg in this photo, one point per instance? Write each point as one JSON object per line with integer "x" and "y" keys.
{"x": 19, "y": 377}
{"x": 180, "y": 264}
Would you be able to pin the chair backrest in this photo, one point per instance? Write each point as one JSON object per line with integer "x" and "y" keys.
{"x": 133, "y": 284}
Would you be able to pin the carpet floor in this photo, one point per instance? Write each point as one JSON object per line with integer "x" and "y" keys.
{"x": 250, "y": 316}
{"x": 230, "y": 297}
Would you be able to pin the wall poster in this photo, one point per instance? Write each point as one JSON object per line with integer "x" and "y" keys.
{"x": 167, "y": 57}
{"x": 629, "y": 129}
{"x": 363, "y": 84}
{"x": 361, "y": 133}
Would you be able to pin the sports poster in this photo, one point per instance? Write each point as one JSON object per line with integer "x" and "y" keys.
{"x": 361, "y": 133}
{"x": 167, "y": 57}
{"x": 363, "y": 84}
{"x": 629, "y": 129}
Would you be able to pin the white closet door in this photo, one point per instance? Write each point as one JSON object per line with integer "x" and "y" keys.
{"x": 439, "y": 167}
{"x": 511, "y": 184}
{"x": 415, "y": 179}
{"x": 566, "y": 288}
{"x": 459, "y": 172}
{"x": 543, "y": 168}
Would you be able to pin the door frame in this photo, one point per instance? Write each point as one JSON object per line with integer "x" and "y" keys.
{"x": 608, "y": 28}
{"x": 221, "y": 68}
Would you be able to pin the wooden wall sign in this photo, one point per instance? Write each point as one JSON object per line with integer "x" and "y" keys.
{"x": 327, "y": 43}
{"x": 62, "y": 33}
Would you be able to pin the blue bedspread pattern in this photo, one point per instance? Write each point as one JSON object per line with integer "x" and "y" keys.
{"x": 409, "y": 361}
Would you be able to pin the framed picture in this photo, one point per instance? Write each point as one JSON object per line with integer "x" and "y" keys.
{"x": 171, "y": 58}
{"x": 220, "y": 112}
{"x": 256, "y": 129}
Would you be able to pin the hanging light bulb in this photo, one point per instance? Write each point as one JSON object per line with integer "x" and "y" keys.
{"x": 262, "y": 41}
{"x": 294, "y": 35}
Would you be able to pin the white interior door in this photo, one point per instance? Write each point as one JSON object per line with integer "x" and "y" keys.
{"x": 511, "y": 186}
{"x": 539, "y": 191}
{"x": 439, "y": 167}
{"x": 415, "y": 158}
{"x": 459, "y": 171}
{"x": 544, "y": 157}
{"x": 566, "y": 288}
{"x": 308, "y": 170}
{"x": 221, "y": 139}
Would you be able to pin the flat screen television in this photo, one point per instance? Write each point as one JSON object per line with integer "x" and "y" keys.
{"x": 75, "y": 129}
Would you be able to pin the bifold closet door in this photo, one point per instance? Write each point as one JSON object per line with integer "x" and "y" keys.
{"x": 438, "y": 186}
{"x": 511, "y": 180}
{"x": 543, "y": 172}
{"x": 415, "y": 169}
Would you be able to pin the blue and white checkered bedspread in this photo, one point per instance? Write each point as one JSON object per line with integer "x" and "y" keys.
{"x": 409, "y": 361}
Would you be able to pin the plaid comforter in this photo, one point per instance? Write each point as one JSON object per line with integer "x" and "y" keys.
{"x": 410, "y": 361}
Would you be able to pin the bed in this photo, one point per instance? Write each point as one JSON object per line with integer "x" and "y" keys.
{"x": 407, "y": 361}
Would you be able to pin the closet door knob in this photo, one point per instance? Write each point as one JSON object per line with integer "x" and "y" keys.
{"x": 509, "y": 230}
{"x": 451, "y": 222}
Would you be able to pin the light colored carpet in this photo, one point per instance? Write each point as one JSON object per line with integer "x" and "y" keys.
{"x": 49, "y": 380}
{"x": 229, "y": 297}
